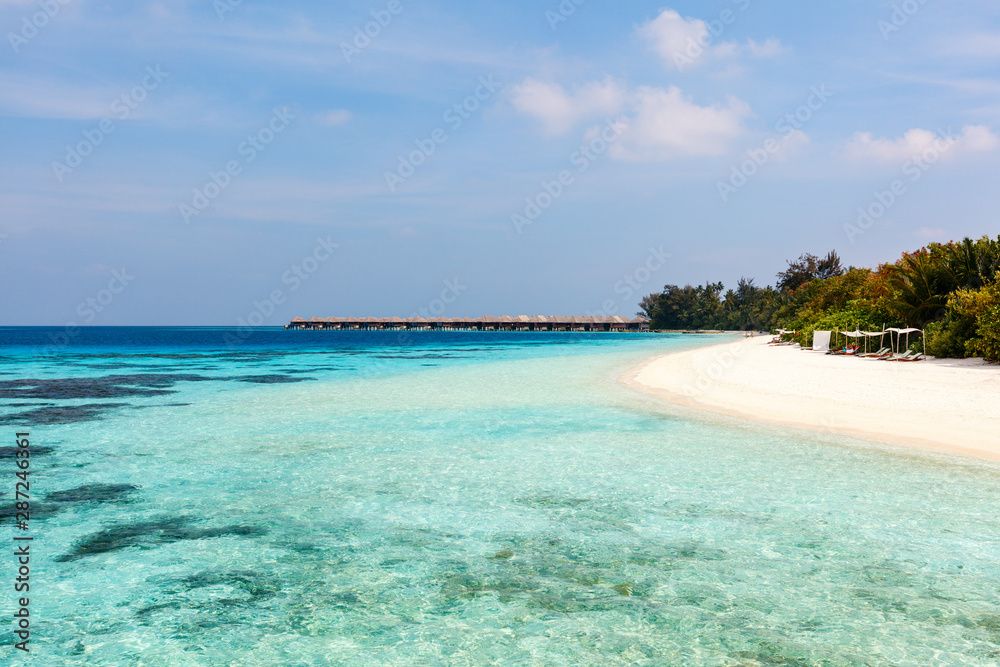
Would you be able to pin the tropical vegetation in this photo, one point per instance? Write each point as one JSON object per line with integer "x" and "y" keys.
{"x": 949, "y": 290}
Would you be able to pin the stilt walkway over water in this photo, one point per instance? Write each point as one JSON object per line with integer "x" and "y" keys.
{"x": 503, "y": 323}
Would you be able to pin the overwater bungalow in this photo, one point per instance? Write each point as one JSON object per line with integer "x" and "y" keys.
{"x": 501, "y": 323}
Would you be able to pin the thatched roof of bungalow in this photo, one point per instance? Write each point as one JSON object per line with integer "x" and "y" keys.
{"x": 506, "y": 322}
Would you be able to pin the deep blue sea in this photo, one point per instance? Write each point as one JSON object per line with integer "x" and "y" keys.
{"x": 289, "y": 498}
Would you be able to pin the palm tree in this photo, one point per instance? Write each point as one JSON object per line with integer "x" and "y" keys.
{"x": 972, "y": 264}
{"x": 920, "y": 294}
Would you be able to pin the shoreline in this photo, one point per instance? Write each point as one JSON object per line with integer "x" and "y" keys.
{"x": 950, "y": 405}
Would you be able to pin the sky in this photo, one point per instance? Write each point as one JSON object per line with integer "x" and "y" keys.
{"x": 220, "y": 162}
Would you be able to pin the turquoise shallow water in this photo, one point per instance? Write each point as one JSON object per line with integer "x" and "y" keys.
{"x": 476, "y": 499}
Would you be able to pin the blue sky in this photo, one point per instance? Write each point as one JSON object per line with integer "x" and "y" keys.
{"x": 210, "y": 162}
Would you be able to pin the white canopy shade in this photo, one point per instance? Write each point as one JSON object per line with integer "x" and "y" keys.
{"x": 908, "y": 330}
{"x": 821, "y": 340}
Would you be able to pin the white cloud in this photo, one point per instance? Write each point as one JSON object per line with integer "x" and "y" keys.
{"x": 915, "y": 143}
{"x": 666, "y": 125}
{"x": 559, "y": 110}
{"x": 661, "y": 123}
{"x": 685, "y": 42}
{"x": 671, "y": 35}
{"x": 335, "y": 117}
{"x": 769, "y": 49}
{"x": 791, "y": 144}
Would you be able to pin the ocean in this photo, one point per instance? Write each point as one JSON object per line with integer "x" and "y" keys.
{"x": 219, "y": 497}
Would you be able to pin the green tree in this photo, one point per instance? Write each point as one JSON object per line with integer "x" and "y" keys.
{"x": 982, "y": 308}
{"x": 949, "y": 290}
{"x": 684, "y": 307}
{"x": 808, "y": 268}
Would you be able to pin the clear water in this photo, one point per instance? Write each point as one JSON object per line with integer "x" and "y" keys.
{"x": 467, "y": 499}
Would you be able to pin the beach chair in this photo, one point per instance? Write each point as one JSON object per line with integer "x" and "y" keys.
{"x": 881, "y": 353}
{"x": 907, "y": 356}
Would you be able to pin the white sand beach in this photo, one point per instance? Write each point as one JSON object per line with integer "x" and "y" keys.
{"x": 945, "y": 404}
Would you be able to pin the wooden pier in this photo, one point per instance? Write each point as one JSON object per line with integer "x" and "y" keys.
{"x": 503, "y": 323}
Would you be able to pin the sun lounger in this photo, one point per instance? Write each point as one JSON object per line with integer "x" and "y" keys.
{"x": 881, "y": 353}
{"x": 908, "y": 356}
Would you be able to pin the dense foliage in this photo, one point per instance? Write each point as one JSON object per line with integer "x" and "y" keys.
{"x": 951, "y": 290}
{"x": 808, "y": 268}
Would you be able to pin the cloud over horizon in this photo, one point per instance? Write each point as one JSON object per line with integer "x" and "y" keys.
{"x": 916, "y": 142}
{"x": 686, "y": 42}
{"x": 661, "y": 124}
{"x": 559, "y": 110}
